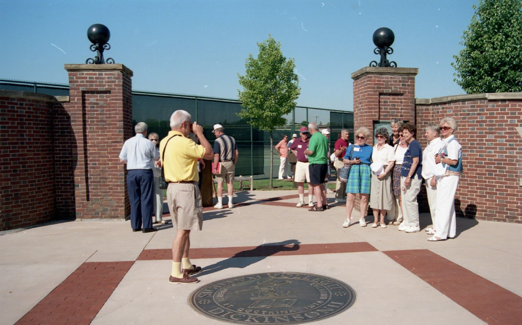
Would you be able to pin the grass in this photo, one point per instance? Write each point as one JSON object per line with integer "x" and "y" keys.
{"x": 263, "y": 185}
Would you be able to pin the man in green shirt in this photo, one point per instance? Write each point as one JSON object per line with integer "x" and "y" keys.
{"x": 318, "y": 158}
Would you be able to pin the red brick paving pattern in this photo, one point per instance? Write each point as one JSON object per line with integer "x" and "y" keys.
{"x": 263, "y": 250}
{"x": 79, "y": 298}
{"x": 483, "y": 298}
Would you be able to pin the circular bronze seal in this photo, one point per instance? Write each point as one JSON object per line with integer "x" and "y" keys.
{"x": 273, "y": 298}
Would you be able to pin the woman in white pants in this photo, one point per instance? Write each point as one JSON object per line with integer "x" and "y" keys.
{"x": 450, "y": 156}
{"x": 428, "y": 166}
{"x": 158, "y": 192}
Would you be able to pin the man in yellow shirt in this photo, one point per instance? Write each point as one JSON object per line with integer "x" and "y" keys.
{"x": 180, "y": 157}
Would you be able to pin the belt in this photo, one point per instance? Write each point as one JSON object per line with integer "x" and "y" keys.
{"x": 184, "y": 182}
{"x": 302, "y": 161}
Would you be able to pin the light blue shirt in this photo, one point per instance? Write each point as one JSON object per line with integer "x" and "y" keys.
{"x": 139, "y": 153}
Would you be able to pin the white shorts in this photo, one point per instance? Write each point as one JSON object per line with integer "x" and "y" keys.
{"x": 302, "y": 172}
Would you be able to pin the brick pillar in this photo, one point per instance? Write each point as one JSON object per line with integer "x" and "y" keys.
{"x": 100, "y": 109}
{"x": 381, "y": 94}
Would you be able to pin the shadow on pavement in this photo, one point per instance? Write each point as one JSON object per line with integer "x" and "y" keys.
{"x": 249, "y": 257}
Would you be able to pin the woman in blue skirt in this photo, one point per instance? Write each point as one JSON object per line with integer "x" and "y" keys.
{"x": 358, "y": 156}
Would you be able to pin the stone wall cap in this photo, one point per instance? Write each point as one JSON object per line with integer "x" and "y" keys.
{"x": 384, "y": 71}
{"x": 27, "y": 95}
{"x": 469, "y": 97}
{"x": 98, "y": 67}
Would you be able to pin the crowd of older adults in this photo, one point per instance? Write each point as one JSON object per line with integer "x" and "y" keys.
{"x": 387, "y": 176}
{"x": 390, "y": 174}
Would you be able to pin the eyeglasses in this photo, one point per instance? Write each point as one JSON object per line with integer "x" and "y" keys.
{"x": 380, "y": 136}
{"x": 360, "y": 138}
{"x": 445, "y": 128}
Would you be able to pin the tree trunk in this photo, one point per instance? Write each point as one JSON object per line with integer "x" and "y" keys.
{"x": 271, "y": 161}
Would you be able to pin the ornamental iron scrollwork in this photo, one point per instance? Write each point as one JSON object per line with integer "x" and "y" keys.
{"x": 383, "y": 38}
{"x": 99, "y": 36}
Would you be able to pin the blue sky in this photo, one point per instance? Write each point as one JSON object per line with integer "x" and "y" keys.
{"x": 198, "y": 47}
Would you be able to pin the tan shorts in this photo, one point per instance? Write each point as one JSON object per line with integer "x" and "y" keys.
{"x": 184, "y": 200}
{"x": 302, "y": 172}
{"x": 227, "y": 172}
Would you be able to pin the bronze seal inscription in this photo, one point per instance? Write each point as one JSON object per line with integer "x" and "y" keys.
{"x": 275, "y": 298}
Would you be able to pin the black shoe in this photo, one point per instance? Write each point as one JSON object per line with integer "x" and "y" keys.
{"x": 148, "y": 230}
{"x": 135, "y": 230}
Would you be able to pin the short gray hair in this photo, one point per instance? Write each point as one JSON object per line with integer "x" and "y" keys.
{"x": 433, "y": 127}
{"x": 451, "y": 121}
{"x": 396, "y": 122}
{"x": 178, "y": 117}
{"x": 312, "y": 126}
{"x": 344, "y": 130}
{"x": 382, "y": 131}
{"x": 364, "y": 131}
{"x": 140, "y": 127}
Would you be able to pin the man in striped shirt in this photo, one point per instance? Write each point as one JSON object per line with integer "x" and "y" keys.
{"x": 226, "y": 153}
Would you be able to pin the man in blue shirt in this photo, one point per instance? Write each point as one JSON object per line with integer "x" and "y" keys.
{"x": 139, "y": 153}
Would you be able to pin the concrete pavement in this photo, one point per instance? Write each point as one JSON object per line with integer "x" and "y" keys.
{"x": 98, "y": 271}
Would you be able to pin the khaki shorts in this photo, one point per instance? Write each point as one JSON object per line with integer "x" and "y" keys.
{"x": 184, "y": 200}
{"x": 227, "y": 172}
{"x": 302, "y": 172}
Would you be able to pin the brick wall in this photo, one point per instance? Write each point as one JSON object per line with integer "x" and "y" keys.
{"x": 26, "y": 159}
{"x": 383, "y": 94}
{"x": 100, "y": 109}
{"x": 492, "y": 151}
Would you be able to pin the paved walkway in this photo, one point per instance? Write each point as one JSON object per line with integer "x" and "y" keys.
{"x": 101, "y": 272}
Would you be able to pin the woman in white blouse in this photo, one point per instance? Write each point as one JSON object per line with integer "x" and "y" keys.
{"x": 381, "y": 196}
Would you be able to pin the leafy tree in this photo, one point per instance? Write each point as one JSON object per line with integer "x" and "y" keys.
{"x": 491, "y": 60}
{"x": 270, "y": 90}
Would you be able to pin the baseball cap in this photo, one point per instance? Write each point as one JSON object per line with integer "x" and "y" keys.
{"x": 294, "y": 135}
{"x": 325, "y": 131}
{"x": 303, "y": 130}
{"x": 217, "y": 126}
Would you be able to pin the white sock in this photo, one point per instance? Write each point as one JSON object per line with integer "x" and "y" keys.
{"x": 301, "y": 197}
{"x": 310, "y": 198}
{"x": 230, "y": 199}
{"x": 220, "y": 200}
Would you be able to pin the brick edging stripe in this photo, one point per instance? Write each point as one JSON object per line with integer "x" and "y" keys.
{"x": 481, "y": 297}
{"x": 261, "y": 250}
{"x": 79, "y": 298}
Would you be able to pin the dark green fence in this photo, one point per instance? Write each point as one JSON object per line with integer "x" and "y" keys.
{"x": 254, "y": 145}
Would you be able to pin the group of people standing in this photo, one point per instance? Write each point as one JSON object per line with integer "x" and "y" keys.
{"x": 389, "y": 176}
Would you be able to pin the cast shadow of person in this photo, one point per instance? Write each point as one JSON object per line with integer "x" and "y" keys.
{"x": 465, "y": 219}
{"x": 248, "y": 257}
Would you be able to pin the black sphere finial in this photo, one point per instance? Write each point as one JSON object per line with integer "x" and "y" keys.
{"x": 99, "y": 36}
{"x": 383, "y": 38}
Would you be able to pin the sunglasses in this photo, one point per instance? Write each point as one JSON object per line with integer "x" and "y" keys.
{"x": 445, "y": 128}
{"x": 400, "y": 134}
{"x": 380, "y": 136}
{"x": 153, "y": 139}
{"x": 360, "y": 138}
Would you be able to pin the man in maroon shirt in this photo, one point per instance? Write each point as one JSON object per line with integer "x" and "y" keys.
{"x": 301, "y": 169}
{"x": 340, "y": 150}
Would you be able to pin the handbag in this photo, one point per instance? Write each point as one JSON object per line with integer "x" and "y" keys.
{"x": 163, "y": 184}
{"x": 345, "y": 170}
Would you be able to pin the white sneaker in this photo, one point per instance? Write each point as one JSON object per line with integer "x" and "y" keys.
{"x": 311, "y": 204}
{"x": 362, "y": 222}
{"x": 230, "y": 205}
{"x": 402, "y": 226}
{"x": 218, "y": 206}
{"x": 410, "y": 230}
{"x": 346, "y": 223}
{"x": 300, "y": 204}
